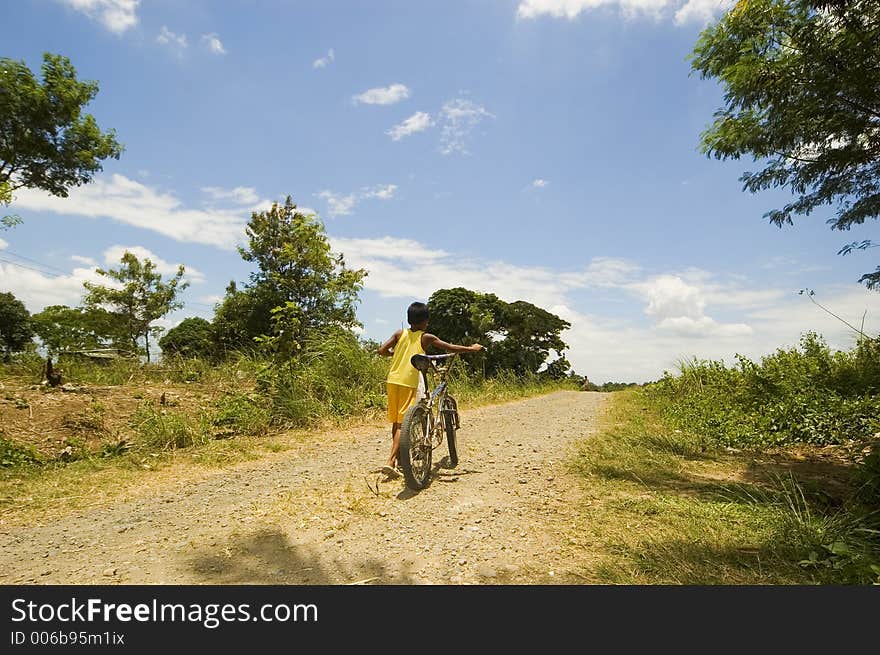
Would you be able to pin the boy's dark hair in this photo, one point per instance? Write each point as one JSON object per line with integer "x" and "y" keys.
{"x": 417, "y": 313}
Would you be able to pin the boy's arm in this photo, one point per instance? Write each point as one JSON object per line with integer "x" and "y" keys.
{"x": 385, "y": 349}
{"x": 431, "y": 341}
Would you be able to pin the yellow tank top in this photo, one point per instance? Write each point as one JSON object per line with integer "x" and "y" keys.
{"x": 402, "y": 372}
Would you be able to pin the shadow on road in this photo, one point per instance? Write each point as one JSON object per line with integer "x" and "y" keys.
{"x": 441, "y": 471}
{"x": 267, "y": 557}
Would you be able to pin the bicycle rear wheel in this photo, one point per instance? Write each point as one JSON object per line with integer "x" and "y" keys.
{"x": 415, "y": 446}
{"x": 450, "y": 425}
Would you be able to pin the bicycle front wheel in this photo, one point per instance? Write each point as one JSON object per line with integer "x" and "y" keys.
{"x": 450, "y": 425}
{"x": 415, "y": 446}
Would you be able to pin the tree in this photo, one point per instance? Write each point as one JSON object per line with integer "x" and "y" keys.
{"x": 802, "y": 94}
{"x": 530, "y": 333}
{"x": 243, "y": 315}
{"x": 139, "y": 296}
{"x": 71, "y": 329}
{"x": 299, "y": 284}
{"x": 462, "y": 316}
{"x": 16, "y": 331}
{"x": 7, "y": 222}
{"x": 46, "y": 142}
{"x": 192, "y": 337}
{"x": 519, "y": 335}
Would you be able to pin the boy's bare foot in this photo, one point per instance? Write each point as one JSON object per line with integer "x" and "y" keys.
{"x": 390, "y": 471}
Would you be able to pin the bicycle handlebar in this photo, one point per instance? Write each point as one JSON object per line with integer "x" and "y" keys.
{"x": 421, "y": 362}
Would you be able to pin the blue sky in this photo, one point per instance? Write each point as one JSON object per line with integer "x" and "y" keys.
{"x": 542, "y": 150}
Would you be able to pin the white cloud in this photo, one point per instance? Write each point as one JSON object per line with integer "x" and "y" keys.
{"x": 113, "y": 256}
{"x": 683, "y": 314}
{"x": 418, "y": 122}
{"x": 38, "y": 290}
{"x": 213, "y": 43}
{"x": 167, "y": 37}
{"x": 703, "y": 326}
{"x": 685, "y": 10}
{"x": 127, "y": 201}
{"x": 343, "y": 205}
{"x": 3, "y": 244}
{"x": 383, "y": 192}
{"x": 679, "y": 306}
{"x": 539, "y": 183}
{"x": 669, "y": 296}
{"x": 387, "y": 248}
{"x": 701, "y": 11}
{"x": 382, "y": 95}
{"x": 241, "y": 195}
{"x": 603, "y": 272}
{"x": 338, "y": 205}
{"x": 86, "y": 261}
{"x": 325, "y": 60}
{"x": 459, "y": 118}
{"x": 116, "y": 15}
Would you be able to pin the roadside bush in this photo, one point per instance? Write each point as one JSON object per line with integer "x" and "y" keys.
{"x": 158, "y": 429}
{"x": 238, "y": 413}
{"x": 333, "y": 376}
{"x": 806, "y": 395}
{"x": 803, "y": 395}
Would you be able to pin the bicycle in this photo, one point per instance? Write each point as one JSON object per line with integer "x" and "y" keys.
{"x": 426, "y": 423}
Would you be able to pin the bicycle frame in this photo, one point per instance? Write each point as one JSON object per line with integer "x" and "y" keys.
{"x": 434, "y": 398}
{"x": 428, "y": 421}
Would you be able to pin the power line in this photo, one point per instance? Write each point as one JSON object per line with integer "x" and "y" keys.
{"x": 30, "y": 268}
{"x": 49, "y": 273}
{"x": 61, "y": 272}
{"x": 54, "y": 268}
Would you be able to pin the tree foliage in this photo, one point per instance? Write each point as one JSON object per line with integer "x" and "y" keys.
{"x": 243, "y": 315}
{"x": 298, "y": 286}
{"x": 802, "y": 95}
{"x": 46, "y": 141}
{"x": 139, "y": 295}
{"x": 16, "y": 330}
{"x": 75, "y": 329}
{"x": 519, "y": 335}
{"x": 192, "y": 338}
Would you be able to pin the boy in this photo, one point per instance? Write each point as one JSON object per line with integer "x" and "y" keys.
{"x": 403, "y": 379}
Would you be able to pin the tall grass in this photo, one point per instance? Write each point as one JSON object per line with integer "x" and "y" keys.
{"x": 807, "y": 394}
{"x": 237, "y": 370}
{"x": 666, "y": 506}
{"x": 333, "y": 377}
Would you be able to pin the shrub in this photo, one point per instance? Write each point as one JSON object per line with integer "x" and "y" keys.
{"x": 163, "y": 430}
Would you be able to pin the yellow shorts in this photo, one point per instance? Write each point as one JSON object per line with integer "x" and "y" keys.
{"x": 399, "y": 400}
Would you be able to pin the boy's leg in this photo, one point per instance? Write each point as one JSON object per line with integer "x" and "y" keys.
{"x": 394, "y": 402}
{"x": 395, "y": 444}
{"x": 399, "y": 400}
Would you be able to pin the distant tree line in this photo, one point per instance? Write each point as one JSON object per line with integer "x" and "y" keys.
{"x": 298, "y": 287}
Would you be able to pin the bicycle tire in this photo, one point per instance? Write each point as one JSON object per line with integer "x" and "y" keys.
{"x": 414, "y": 453}
{"x": 450, "y": 424}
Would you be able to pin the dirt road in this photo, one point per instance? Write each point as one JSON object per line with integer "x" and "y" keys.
{"x": 507, "y": 514}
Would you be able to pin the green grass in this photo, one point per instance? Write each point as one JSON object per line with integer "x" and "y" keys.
{"x": 664, "y": 507}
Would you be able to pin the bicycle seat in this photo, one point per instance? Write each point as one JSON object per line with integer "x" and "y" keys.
{"x": 423, "y": 362}
{"x": 420, "y": 362}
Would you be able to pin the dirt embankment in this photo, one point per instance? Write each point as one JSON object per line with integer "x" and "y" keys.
{"x": 509, "y": 513}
